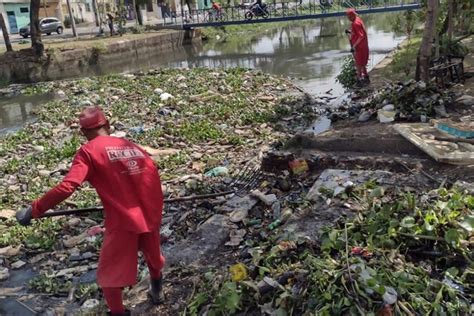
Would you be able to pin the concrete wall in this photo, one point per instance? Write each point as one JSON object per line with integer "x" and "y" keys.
{"x": 14, "y": 17}
{"x": 124, "y": 55}
{"x": 51, "y": 8}
{"x": 2, "y": 12}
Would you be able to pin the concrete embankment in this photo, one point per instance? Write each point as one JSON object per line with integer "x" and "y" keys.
{"x": 98, "y": 57}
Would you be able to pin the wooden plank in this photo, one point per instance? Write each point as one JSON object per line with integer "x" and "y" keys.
{"x": 440, "y": 150}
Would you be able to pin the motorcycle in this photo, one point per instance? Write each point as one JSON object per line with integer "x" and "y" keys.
{"x": 257, "y": 11}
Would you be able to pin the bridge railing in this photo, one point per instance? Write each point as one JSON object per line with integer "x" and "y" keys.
{"x": 292, "y": 8}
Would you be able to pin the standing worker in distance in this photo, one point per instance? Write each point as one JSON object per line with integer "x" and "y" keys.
{"x": 359, "y": 46}
{"x": 128, "y": 184}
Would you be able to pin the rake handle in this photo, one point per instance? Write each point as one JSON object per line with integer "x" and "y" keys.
{"x": 78, "y": 211}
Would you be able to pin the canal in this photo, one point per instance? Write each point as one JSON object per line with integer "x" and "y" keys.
{"x": 309, "y": 52}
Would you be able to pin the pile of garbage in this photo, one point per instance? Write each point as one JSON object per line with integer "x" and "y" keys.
{"x": 198, "y": 125}
{"x": 408, "y": 101}
{"x": 397, "y": 253}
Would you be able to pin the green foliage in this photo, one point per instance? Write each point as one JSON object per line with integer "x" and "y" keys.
{"x": 362, "y": 262}
{"x": 35, "y": 89}
{"x": 173, "y": 161}
{"x": 452, "y": 48}
{"x": 348, "y": 76}
{"x": 403, "y": 64}
{"x": 49, "y": 285}
{"x": 405, "y": 23}
{"x": 40, "y": 235}
{"x": 201, "y": 130}
{"x": 224, "y": 299}
{"x": 86, "y": 291}
{"x": 68, "y": 23}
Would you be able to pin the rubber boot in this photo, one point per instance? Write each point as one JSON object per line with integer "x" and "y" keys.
{"x": 156, "y": 291}
{"x": 366, "y": 80}
{"x": 359, "y": 84}
{"x": 126, "y": 313}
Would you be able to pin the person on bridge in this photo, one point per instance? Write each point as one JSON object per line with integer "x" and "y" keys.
{"x": 216, "y": 7}
{"x": 128, "y": 184}
{"x": 359, "y": 46}
{"x": 259, "y": 5}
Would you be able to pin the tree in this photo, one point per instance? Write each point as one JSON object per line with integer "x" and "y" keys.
{"x": 451, "y": 5}
{"x": 425, "y": 52}
{"x": 138, "y": 11}
{"x": 36, "y": 43}
{"x": 6, "y": 38}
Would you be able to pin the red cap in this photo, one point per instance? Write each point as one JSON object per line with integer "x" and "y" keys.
{"x": 351, "y": 13}
{"x": 92, "y": 117}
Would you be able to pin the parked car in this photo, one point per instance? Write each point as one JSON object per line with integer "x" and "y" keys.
{"x": 46, "y": 25}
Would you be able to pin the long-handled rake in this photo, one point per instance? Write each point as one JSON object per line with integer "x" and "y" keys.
{"x": 244, "y": 181}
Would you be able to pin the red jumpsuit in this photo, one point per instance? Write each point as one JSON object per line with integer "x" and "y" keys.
{"x": 358, "y": 31}
{"x": 128, "y": 184}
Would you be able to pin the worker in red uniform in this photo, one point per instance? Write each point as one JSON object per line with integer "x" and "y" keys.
{"x": 128, "y": 184}
{"x": 216, "y": 6}
{"x": 359, "y": 46}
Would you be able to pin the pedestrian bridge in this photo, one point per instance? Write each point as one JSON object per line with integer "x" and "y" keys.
{"x": 283, "y": 11}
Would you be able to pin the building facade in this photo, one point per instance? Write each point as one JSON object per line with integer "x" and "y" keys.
{"x": 16, "y": 14}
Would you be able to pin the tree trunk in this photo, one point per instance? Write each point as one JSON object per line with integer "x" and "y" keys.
{"x": 71, "y": 17}
{"x": 139, "y": 14}
{"x": 96, "y": 13}
{"x": 6, "y": 38}
{"x": 424, "y": 54}
{"x": 36, "y": 43}
{"x": 450, "y": 19}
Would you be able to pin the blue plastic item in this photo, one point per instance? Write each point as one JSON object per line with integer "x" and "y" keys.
{"x": 455, "y": 131}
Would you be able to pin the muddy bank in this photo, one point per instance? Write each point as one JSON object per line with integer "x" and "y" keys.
{"x": 24, "y": 67}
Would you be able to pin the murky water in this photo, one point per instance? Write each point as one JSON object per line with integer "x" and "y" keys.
{"x": 15, "y": 111}
{"x": 311, "y": 52}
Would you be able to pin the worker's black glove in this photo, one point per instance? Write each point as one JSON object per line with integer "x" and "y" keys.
{"x": 352, "y": 50}
{"x": 347, "y": 32}
{"x": 23, "y": 216}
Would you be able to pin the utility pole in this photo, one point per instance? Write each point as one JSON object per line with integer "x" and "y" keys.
{"x": 71, "y": 17}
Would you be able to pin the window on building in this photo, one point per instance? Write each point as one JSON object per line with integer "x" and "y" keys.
{"x": 24, "y": 10}
{"x": 149, "y": 6}
{"x": 88, "y": 7}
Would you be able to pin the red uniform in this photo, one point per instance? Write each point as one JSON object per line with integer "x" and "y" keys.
{"x": 128, "y": 184}
{"x": 358, "y": 31}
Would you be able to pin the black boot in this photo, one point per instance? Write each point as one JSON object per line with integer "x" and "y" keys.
{"x": 156, "y": 291}
{"x": 359, "y": 84}
{"x": 126, "y": 313}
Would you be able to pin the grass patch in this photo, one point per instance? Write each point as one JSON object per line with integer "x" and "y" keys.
{"x": 40, "y": 235}
{"x": 403, "y": 64}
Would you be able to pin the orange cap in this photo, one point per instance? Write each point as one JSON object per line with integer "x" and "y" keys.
{"x": 92, "y": 117}
{"x": 351, "y": 13}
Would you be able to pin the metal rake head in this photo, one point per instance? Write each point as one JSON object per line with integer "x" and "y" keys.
{"x": 247, "y": 179}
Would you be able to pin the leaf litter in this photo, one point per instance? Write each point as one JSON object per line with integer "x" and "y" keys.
{"x": 370, "y": 248}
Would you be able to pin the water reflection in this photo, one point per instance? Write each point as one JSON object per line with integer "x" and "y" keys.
{"x": 309, "y": 51}
{"x": 312, "y": 52}
{"x": 16, "y": 111}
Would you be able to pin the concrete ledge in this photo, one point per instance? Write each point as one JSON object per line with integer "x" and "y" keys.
{"x": 379, "y": 139}
{"x": 121, "y": 55}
